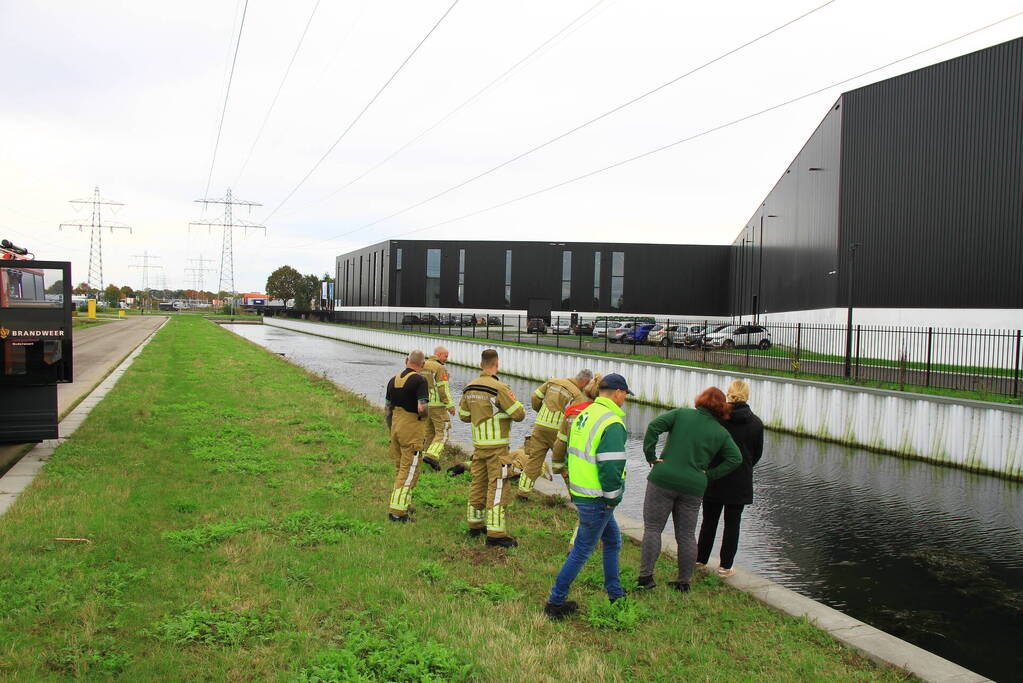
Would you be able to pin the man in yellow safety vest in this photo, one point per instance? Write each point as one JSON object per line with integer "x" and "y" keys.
{"x": 596, "y": 483}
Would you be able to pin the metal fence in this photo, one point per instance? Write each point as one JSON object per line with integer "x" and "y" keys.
{"x": 976, "y": 360}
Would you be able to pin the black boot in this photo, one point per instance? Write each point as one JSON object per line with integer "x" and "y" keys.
{"x": 502, "y": 542}
{"x": 457, "y": 469}
{"x": 405, "y": 519}
{"x": 432, "y": 462}
{"x": 476, "y": 533}
{"x": 646, "y": 582}
{"x": 560, "y": 611}
{"x": 679, "y": 586}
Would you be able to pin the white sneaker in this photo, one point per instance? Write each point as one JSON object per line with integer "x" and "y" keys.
{"x": 725, "y": 573}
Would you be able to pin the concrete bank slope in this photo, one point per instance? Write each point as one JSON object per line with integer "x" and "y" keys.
{"x": 972, "y": 435}
{"x": 19, "y": 477}
{"x": 874, "y": 644}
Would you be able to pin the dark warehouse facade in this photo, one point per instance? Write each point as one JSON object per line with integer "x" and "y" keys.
{"x": 908, "y": 195}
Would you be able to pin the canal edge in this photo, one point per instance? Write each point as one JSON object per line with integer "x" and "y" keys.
{"x": 20, "y": 476}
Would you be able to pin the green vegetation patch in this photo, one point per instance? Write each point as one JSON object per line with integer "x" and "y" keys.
{"x": 621, "y": 615}
{"x": 233, "y": 448}
{"x": 204, "y": 626}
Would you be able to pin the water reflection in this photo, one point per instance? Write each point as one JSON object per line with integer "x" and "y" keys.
{"x": 931, "y": 554}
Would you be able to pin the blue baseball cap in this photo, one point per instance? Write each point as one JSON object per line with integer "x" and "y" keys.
{"x": 615, "y": 381}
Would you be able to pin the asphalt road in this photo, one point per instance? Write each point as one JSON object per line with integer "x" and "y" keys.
{"x": 97, "y": 351}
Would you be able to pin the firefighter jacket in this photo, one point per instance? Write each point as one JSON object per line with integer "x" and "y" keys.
{"x": 551, "y": 399}
{"x": 596, "y": 454}
{"x": 488, "y": 404}
{"x": 437, "y": 378}
{"x": 560, "y": 447}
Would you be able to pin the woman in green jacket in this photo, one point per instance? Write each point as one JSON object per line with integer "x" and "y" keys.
{"x": 679, "y": 477}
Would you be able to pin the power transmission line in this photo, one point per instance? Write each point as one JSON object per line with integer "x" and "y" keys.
{"x": 472, "y": 98}
{"x": 580, "y": 126}
{"x": 701, "y": 134}
{"x": 227, "y": 224}
{"x": 227, "y": 94}
{"x": 360, "y": 114}
{"x": 196, "y": 274}
{"x": 145, "y": 267}
{"x": 96, "y": 226}
{"x": 273, "y": 102}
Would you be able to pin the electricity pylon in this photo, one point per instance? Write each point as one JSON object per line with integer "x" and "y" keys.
{"x": 96, "y": 225}
{"x": 196, "y": 274}
{"x": 228, "y": 223}
{"x": 144, "y": 267}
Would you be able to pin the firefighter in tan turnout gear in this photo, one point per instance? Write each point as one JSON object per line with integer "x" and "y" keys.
{"x": 490, "y": 406}
{"x": 407, "y": 396}
{"x": 439, "y": 408}
{"x": 549, "y": 402}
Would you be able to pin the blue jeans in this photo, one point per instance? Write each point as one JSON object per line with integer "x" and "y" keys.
{"x": 596, "y": 523}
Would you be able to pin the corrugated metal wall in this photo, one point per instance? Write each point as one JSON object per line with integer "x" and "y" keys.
{"x": 932, "y": 186}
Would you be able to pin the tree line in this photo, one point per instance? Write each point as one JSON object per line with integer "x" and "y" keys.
{"x": 287, "y": 283}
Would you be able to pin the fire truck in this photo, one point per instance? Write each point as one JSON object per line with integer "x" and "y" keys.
{"x": 35, "y": 343}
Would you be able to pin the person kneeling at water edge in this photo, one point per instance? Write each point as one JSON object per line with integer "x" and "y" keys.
{"x": 596, "y": 481}
{"x": 489, "y": 404}
{"x": 406, "y": 401}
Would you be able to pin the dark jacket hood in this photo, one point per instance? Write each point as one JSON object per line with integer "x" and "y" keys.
{"x": 741, "y": 413}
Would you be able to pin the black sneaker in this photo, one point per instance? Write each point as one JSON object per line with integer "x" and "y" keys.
{"x": 457, "y": 469}
{"x": 404, "y": 519}
{"x": 502, "y": 542}
{"x": 679, "y": 586}
{"x": 560, "y": 611}
{"x": 645, "y": 582}
{"x": 432, "y": 462}
{"x": 476, "y": 533}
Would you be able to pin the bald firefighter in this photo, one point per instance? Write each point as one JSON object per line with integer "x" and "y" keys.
{"x": 440, "y": 407}
{"x": 549, "y": 402}
{"x": 490, "y": 406}
{"x": 406, "y": 399}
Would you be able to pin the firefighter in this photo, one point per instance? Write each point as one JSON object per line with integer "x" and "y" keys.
{"x": 549, "y": 402}
{"x": 406, "y": 406}
{"x": 490, "y": 406}
{"x": 439, "y": 408}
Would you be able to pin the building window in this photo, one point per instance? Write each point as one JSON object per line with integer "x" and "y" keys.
{"x": 397, "y": 276}
{"x": 361, "y": 284}
{"x": 372, "y": 279}
{"x": 461, "y": 277}
{"x": 596, "y": 281}
{"x": 566, "y": 280}
{"x": 617, "y": 279}
{"x": 432, "y": 277}
{"x": 507, "y": 277}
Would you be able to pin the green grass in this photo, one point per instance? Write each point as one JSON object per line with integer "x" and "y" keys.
{"x": 82, "y": 323}
{"x": 227, "y": 545}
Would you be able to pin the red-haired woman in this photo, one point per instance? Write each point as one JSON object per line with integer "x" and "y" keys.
{"x": 679, "y": 477}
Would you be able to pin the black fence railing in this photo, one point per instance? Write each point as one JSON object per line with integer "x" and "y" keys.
{"x": 974, "y": 360}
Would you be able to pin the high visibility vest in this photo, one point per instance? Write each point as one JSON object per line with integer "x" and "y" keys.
{"x": 489, "y": 431}
{"x": 583, "y": 439}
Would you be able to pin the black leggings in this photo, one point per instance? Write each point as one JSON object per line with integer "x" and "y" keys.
{"x": 730, "y": 538}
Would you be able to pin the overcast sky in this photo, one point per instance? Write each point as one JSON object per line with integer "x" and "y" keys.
{"x": 128, "y": 95}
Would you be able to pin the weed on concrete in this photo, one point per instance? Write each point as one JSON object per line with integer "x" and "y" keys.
{"x": 235, "y": 515}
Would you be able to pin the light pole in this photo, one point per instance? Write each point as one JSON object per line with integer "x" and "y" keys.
{"x": 760, "y": 271}
{"x": 849, "y": 314}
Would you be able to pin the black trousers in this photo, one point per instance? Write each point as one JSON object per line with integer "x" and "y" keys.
{"x": 709, "y": 528}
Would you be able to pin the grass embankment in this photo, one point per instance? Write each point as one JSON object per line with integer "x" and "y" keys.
{"x": 235, "y": 508}
{"x": 82, "y": 323}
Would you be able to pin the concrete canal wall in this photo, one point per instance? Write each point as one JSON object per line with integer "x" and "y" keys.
{"x": 973, "y": 435}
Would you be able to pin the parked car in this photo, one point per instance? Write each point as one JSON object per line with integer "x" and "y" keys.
{"x": 639, "y": 334}
{"x": 429, "y": 319}
{"x": 583, "y": 328}
{"x": 465, "y": 320}
{"x": 447, "y": 319}
{"x": 739, "y": 336}
{"x": 616, "y": 334}
{"x": 561, "y": 326}
{"x": 536, "y": 326}
{"x": 698, "y": 334}
{"x": 664, "y": 335}
{"x": 409, "y": 319}
{"x": 601, "y": 327}
{"x": 495, "y": 320}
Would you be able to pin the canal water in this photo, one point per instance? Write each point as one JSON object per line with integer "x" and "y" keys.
{"x": 930, "y": 554}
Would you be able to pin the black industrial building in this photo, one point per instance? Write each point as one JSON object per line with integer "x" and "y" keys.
{"x": 910, "y": 190}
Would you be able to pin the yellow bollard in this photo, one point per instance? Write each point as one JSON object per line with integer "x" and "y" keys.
{"x": 92, "y": 308}
{"x": 120, "y": 313}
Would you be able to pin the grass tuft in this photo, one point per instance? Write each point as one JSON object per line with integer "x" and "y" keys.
{"x": 623, "y": 614}
{"x": 218, "y": 628}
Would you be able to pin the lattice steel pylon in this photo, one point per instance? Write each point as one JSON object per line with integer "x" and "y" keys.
{"x": 96, "y": 225}
{"x": 228, "y": 223}
{"x": 196, "y": 274}
{"x": 145, "y": 266}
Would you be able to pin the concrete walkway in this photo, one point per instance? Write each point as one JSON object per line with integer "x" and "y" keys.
{"x": 97, "y": 351}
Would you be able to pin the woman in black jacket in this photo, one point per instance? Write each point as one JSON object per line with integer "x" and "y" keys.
{"x": 734, "y": 491}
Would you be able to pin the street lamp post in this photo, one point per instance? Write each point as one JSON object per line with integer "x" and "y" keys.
{"x": 849, "y": 312}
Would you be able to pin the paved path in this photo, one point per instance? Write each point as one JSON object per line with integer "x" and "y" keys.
{"x": 97, "y": 351}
